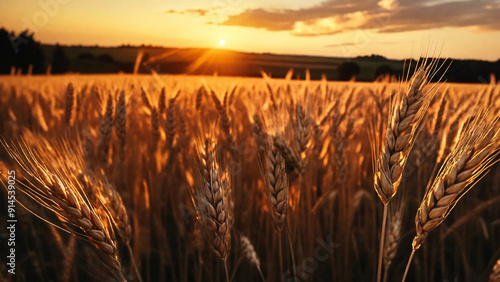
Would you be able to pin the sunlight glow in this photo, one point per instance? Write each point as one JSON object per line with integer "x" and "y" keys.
{"x": 222, "y": 42}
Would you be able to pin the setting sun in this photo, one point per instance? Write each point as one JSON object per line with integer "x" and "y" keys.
{"x": 222, "y": 42}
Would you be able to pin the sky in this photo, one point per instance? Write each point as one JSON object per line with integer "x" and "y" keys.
{"x": 339, "y": 28}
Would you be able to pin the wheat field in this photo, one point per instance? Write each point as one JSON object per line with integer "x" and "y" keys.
{"x": 193, "y": 178}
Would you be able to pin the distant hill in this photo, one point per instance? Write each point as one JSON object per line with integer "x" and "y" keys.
{"x": 203, "y": 61}
{"x": 209, "y": 61}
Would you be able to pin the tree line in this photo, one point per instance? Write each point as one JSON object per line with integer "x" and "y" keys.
{"x": 23, "y": 53}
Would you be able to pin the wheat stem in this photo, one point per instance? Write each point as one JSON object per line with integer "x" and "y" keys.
{"x": 280, "y": 252}
{"x": 225, "y": 269}
{"x": 381, "y": 247}
{"x": 134, "y": 264}
{"x": 408, "y": 265}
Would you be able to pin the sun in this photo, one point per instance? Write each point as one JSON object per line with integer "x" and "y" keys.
{"x": 222, "y": 42}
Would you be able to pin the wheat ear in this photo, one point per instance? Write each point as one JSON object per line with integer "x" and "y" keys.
{"x": 222, "y": 109}
{"x": 117, "y": 213}
{"x": 170, "y": 126}
{"x": 211, "y": 201}
{"x": 250, "y": 254}
{"x": 259, "y": 133}
{"x": 161, "y": 100}
{"x": 121, "y": 123}
{"x": 406, "y": 115}
{"x": 289, "y": 153}
{"x": 277, "y": 185}
{"x": 473, "y": 154}
{"x": 155, "y": 127}
{"x": 105, "y": 128}
{"x": 199, "y": 96}
{"x": 79, "y": 213}
{"x": 145, "y": 99}
{"x": 70, "y": 100}
{"x": 52, "y": 184}
{"x": 303, "y": 133}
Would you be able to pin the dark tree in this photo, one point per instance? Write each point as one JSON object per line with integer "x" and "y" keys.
{"x": 347, "y": 70}
{"x": 21, "y": 52}
{"x": 7, "y": 53}
{"x": 30, "y": 53}
{"x": 383, "y": 70}
{"x": 60, "y": 62}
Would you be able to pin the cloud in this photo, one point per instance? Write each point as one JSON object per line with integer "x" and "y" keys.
{"x": 196, "y": 12}
{"x": 287, "y": 19}
{"x": 341, "y": 44}
{"x": 260, "y": 18}
{"x": 174, "y": 12}
{"x": 347, "y": 44}
{"x": 335, "y": 16}
{"x": 330, "y": 25}
{"x": 388, "y": 4}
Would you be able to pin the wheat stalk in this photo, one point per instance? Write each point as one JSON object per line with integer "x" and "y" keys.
{"x": 406, "y": 115}
{"x": 474, "y": 153}
{"x": 69, "y": 258}
{"x": 114, "y": 207}
{"x": 54, "y": 188}
{"x": 393, "y": 232}
{"x": 212, "y": 201}
{"x": 250, "y": 254}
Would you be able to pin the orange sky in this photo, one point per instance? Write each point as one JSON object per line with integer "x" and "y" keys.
{"x": 345, "y": 28}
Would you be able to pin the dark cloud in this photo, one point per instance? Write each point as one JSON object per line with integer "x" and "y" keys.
{"x": 334, "y": 16}
{"x": 480, "y": 14}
